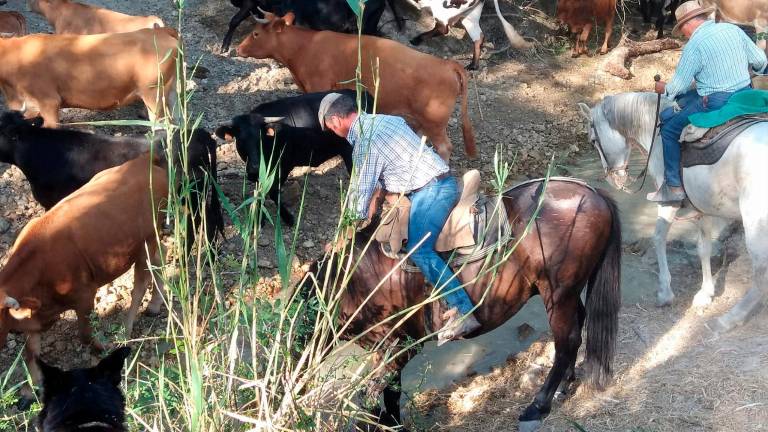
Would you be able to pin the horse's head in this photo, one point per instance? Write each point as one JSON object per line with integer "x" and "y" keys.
{"x": 611, "y": 145}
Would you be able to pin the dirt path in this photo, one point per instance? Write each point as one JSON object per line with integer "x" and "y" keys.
{"x": 672, "y": 375}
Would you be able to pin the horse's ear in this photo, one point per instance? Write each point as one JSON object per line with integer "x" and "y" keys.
{"x": 585, "y": 111}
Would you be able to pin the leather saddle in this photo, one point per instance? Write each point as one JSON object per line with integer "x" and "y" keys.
{"x": 474, "y": 227}
{"x": 705, "y": 146}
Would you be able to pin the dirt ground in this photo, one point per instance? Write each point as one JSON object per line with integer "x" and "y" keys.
{"x": 672, "y": 374}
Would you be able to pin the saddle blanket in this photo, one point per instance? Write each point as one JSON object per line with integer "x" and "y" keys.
{"x": 705, "y": 146}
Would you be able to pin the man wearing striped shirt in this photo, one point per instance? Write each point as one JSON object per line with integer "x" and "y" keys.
{"x": 388, "y": 153}
{"x": 718, "y": 58}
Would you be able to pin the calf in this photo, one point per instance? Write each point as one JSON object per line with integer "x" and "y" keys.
{"x": 334, "y": 15}
{"x": 99, "y": 72}
{"x": 417, "y": 86}
{"x": 57, "y": 162}
{"x": 287, "y": 133}
{"x": 581, "y": 15}
{"x": 84, "y": 399}
{"x": 467, "y": 13}
{"x": 12, "y": 24}
{"x": 68, "y": 17}
{"x": 90, "y": 238}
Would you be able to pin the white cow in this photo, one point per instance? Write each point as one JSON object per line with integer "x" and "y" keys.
{"x": 467, "y": 13}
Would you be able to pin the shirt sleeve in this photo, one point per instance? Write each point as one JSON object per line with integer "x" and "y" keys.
{"x": 755, "y": 55}
{"x": 368, "y": 167}
{"x": 687, "y": 69}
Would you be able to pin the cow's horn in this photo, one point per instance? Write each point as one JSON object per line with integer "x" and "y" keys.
{"x": 262, "y": 10}
{"x": 11, "y": 303}
{"x": 259, "y": 20}
{"x": 23, "y": 109}
{"x": 273, "y": 119}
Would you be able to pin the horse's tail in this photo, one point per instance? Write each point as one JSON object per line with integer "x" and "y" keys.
{"x": 603, "y": 304}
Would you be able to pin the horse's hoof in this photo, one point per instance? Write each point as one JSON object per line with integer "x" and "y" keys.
{"x": 471, "y": 67}
{"x": 664, "y": 300}
{"x": 529, "y": 426}
{"x": 717, "y": 326}
{"x": 701, "y": 300}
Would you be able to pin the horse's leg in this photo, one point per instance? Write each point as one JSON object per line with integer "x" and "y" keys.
{"x": 665, "y": 217}
{"x": 704, "y": 296}
{"x": 570, "y": 375}
{"x": 564, "y": 321}
{"x": 755, "y": 220}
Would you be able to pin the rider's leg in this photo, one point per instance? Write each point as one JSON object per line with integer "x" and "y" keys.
{"x": 430, "y": 208}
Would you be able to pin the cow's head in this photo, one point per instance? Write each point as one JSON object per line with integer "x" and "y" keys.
{"x": 253, "y": 134}
{"x": 263, "y": 40}
{"x": 12, "y": 309}
{"x": 11, "y": 123}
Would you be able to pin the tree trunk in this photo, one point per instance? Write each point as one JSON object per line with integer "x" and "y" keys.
{"x": 626, "y": 49}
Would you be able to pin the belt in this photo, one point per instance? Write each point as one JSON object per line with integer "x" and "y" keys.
{"x": 436, "y": 179}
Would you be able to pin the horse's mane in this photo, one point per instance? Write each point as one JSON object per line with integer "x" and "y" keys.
{"x": 633, "y": 114}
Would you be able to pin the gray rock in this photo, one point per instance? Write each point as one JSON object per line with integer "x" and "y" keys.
{"x": 4, "y": 226}
{"x": 265, "y": 263}
{"x": 308, "y": 244}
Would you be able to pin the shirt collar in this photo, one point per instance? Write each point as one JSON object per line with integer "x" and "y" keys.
{"x": 354, "y": 130}
{"x": 704, "y": 24}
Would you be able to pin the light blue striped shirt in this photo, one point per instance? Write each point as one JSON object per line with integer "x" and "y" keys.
{"x": 387, "y": 152}
{"x": 717, "y": 57}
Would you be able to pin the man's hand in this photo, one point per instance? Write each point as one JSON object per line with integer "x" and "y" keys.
{"x": 660, "y": 87}
{"x": 345, "y": 236}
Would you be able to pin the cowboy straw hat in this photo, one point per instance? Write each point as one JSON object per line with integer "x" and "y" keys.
{"x": 688, "y": 11}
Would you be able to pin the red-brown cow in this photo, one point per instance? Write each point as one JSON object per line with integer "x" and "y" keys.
{"x": 417, "y": 86}
{"x": 98, "y": 72}
{"x": 69, "y": 17}
{"x": 12, "y": 24}
{"x": 580, "y": 16}
{"x": 90, "y": 238}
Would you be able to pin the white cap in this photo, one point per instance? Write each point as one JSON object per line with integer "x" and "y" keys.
{"x": 325, "y": 104}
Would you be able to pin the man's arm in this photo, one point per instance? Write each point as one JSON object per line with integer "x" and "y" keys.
{"x": 368, "y": 168}
{"x": 687, "y": 68}
{"x": 756, "y": 56}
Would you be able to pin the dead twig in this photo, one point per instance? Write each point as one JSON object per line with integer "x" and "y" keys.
{"x": 615, "y": 62}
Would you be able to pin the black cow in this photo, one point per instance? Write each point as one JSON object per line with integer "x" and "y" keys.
{"x": 287, "y": 130}
{"x": 84, "y": 399}
{"x": 334, "y": 15}
{"x": 657, "y": 9}
{"x": 57, "y": 162}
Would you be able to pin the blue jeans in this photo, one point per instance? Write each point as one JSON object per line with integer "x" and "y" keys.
{"x": 430, "y": 207}
{"x": 673, "y": 123}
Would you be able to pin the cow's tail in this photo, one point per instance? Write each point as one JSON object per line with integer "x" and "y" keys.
{"x": 213, "y": 212}
{"x": 603, "y": 304}
{"x": 468, "y": 133}
{"x": 514, "y": 37}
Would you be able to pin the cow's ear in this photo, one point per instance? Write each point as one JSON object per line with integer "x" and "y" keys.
{"x": 53, "y": 377}
{"x": 279, "y": 25}
{"x": 111, "y": 367}
{"x": 28, "y": 306}
{"x": 226, "y": 132}
{"x": 273, "y": 128}
{"x": 289, "y": 18}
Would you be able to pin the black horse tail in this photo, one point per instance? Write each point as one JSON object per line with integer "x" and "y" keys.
{"x": 603, "y": 304}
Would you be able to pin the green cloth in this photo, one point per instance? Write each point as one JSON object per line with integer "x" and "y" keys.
{"x": 355, "y": 5}
{"x": 742, "y": 103}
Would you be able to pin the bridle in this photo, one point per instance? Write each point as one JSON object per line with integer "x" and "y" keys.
{"x": 613, "y": 171}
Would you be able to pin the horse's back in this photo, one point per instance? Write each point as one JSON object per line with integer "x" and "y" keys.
{"x": 735, "y": 183}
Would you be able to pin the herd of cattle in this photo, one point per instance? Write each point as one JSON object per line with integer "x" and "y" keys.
{"x": 100, "y": 220}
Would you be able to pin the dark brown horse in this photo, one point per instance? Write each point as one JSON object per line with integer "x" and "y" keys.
{"x": 575, "y": 242}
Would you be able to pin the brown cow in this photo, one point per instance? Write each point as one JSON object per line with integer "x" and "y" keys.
{"x": 68, "y": 17}
{"x": 96, "y": 234}
{"x": 12, "y": 24}
{"x": 581, "y": 15}
{"x": 99, "y": 72}
{"x": 417, "y": 86}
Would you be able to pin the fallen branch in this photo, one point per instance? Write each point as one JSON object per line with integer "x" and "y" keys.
{"x": 615, "y": 62}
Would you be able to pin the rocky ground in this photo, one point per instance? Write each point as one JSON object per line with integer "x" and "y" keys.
{"x": 522, "y": 105}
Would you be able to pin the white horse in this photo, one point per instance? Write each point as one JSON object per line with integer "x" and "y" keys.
{"x": 734, "y": 187}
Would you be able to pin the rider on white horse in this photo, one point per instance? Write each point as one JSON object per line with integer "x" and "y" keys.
{"x": 718, "y": 57}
